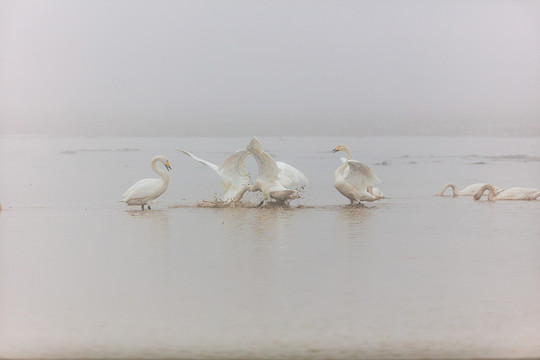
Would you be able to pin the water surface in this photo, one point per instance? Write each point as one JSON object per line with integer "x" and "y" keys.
{"x": 411, "y": 276}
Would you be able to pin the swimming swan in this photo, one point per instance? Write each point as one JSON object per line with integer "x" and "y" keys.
{"x": 143, "y": 192}
{"x": 355, "y": 180}
{"x": 515, "y": 193}
{"x": 275, "y": 178}
{"x": 232, "y": 171}
{"x": 467, "y": 191}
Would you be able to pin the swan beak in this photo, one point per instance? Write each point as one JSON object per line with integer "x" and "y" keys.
{"x": 336, "y": 149}
{"x": 168, "y": 166}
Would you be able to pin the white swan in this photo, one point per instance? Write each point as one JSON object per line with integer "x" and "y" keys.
{"x": 143, "y": 192}
{"x": 275, "y": 178}
{"x": 353, "y": 179}
{"x": 370, "y": 189}
{"x": 232, "y": 171}
{"x": 466, "y": 191}
{"x": 290, "y": 176}
{"x": 515, "y": 193}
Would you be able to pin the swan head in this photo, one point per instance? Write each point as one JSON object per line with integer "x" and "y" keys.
{"x": 255, "y": 145}
{"x": 164, "y": 161}
{"x": 337, "y": 148}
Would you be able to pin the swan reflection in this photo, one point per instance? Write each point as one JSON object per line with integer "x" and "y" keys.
{"x": 352, "y": 221}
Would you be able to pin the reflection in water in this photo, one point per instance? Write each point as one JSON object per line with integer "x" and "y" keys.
{"x": 257, "y": 239}
{"x": 154, "y": 229}
{"x": 257, "y": 232}
{"x": 160, "y": 230}
{"x": 259, "y": 224}
{"x": 352, "y": 221}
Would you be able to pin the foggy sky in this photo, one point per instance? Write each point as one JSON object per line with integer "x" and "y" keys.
{"x": 174, "y": 68}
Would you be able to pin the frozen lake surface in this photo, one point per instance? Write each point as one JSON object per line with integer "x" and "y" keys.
{"x": 412, "y": 276}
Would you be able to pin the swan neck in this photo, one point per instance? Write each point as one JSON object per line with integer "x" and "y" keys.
{"x": 455, "y": 190}
{"x": 490, "y": 189}
{"x": 162, "y": 173}
{"x": 347, "y": 151}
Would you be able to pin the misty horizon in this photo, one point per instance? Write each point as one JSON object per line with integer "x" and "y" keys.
{"x": 350, "y": 128}
{"x": 238, "y": 68}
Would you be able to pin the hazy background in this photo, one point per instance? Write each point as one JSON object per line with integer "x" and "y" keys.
{"x": 175, "y": 68}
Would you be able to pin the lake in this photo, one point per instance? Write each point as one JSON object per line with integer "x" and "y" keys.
{"x": 411, "y": 276}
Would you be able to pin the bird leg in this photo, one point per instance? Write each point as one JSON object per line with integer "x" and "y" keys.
{"x": 142, "y": 207}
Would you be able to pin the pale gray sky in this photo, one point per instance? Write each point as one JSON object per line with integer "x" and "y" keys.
{"x": 173, "y": 68}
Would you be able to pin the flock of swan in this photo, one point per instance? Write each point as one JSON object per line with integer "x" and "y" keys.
{"x": 494, "y": 192}
{"x": 280, "y": 182}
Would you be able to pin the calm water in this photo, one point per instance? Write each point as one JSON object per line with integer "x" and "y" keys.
{"x": 414, "y": 275}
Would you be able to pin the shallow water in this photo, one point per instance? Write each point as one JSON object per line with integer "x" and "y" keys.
{"x": 411, "y": 276}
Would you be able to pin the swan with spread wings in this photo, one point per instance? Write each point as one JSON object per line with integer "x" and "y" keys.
{"x": 277, "y": 180}
{"x": 355, "y": 180}
{"x": 232, "y": 172}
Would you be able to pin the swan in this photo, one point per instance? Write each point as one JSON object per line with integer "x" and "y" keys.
{"x": 515, "y": 193}
{"x": 466, "y": 191}
{"x": 372, "y": 190}
{"x": 354, "y": 180}
{"x": 143, "y": 192}
{"x": 232, "y": 171}
{"x": 275, "y": 178}
{"x": 290, "y": 176}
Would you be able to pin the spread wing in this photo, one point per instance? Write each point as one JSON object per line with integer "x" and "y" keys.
{"x": 290, "y": 176}
{"x": 360, "y": 175}
{"x": 202, "y": 161}
{"x": 233, "y": 169}
{"x": 268, "y": 169}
